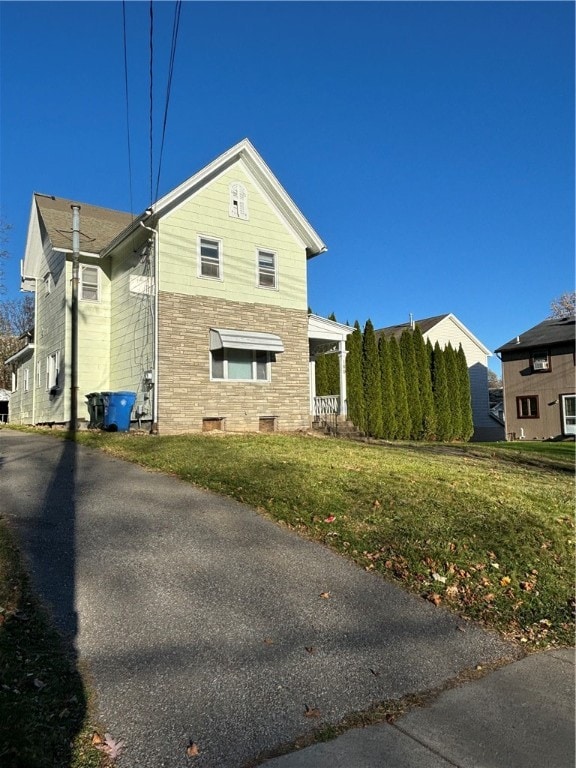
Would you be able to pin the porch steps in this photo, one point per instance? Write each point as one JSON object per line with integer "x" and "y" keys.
{"x": 337, "y": 428}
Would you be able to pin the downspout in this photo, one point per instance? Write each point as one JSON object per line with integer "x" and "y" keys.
{"x": 154, "y": 427}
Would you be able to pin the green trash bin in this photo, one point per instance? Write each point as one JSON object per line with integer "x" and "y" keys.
{"x": 95, "y": 403}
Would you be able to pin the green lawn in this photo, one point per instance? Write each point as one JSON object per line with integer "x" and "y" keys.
{"x": 484, "y": 530}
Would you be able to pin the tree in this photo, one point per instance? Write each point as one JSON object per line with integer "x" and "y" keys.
{"x": 4, "y": 229}
{"x": 403, "y": 423}
{"x": 354, "y": 379}
{"x": 455, "y": 399}
{"x": 321, "y": 377}
{"x": 412, "y": 384}
{"x": 564, "y": 306}
{"x": 465, "y": 395}
{"x": 372, "y": 381}
{"x": 16, "y": 317}
{"x": 425, "y": 385}
{"x": 388, "y": 398}
{"x": 494, "y": 381}
{"x": 441, "y": 394}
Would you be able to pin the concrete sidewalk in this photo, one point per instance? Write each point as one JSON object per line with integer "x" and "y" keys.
{"x": 520, "y": 716}
{"x": 200, "y": 620}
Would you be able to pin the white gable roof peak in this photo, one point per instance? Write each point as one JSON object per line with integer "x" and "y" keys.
{"x": 246, "y": 151}
{"x": 452, "y": 318}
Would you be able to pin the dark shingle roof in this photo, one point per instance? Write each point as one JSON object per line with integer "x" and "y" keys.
{"x": 396, "y": 330}
{"x": 545, "y": 334}
{"x": 98, "y": 226}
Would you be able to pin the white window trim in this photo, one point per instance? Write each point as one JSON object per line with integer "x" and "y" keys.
{"x": 81, "y": 283}
{"x": 39, "y": 374}
{"x": 199, "y": 274}
{"x": 275, "y": 255}
{"x": 253, "y": 380}
{"x": 48, "y": 283}
{"x": 26, "y": 383}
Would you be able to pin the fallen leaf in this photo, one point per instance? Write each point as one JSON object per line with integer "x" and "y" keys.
{"x": 330, "y": 519}
{"x": 311, "y": 711}
{"x": 311, "y": 649}
{"x": 325, "y": 595}
{"x": 451, "y": 592}
{"x": 376, "y": 504}
{"x": 111, "y": 747}
{"x": 527, "y": 586}
{"x": 192, "y": 749}
{"x": 268, "y": 641}
{"x": 437, "y": 577}
{"x": 96, "y": 739}
{"x": 434, "y": 598}
{"x": 376, "y": 674}
{"x": 505, "y": 580}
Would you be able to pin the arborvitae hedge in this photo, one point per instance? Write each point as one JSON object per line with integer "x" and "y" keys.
{"x": 372, "y": 382}
{"x": 388, "y": 397}
{"x": 408, "y": 389}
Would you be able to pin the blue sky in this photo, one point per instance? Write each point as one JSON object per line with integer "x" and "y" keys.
{"x": 430, "y": 144}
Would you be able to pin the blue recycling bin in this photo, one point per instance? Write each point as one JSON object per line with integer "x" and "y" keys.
{"x": 117, "y": 409}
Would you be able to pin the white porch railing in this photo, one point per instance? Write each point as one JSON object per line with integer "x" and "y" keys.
{"x": 324, "y": 406}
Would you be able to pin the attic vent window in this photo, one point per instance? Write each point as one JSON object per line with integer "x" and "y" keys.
{"x": 238, "y": 207}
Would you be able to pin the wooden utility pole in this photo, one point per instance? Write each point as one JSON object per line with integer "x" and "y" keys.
{"x": 74, "y": 318}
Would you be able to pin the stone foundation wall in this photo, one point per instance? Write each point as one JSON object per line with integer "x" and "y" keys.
{"x": 186, "y": 396}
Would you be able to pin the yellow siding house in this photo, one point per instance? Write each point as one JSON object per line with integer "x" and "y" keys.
{"x": 198, "y": 305}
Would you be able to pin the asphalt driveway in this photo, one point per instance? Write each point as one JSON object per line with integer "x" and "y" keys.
{"x": 201, "y": 620}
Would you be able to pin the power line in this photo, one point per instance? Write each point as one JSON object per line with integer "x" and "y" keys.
{"x": 127, "y": 104}
{"x": 175, "y": 27}
{"x": 151, "y": 99}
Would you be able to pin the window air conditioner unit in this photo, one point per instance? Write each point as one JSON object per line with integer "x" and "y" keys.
{"x": 540, "y": 365}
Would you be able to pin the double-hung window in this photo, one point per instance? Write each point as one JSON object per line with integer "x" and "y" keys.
{"x": 89, "y": 286}
{"x": 209, "y": 258}
{"x": 267, "y": 277}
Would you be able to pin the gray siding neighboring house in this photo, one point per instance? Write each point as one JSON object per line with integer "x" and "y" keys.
{"x": 447, "y": 329}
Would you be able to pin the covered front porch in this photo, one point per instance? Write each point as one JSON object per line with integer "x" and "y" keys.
{"x": 327, "y": 337}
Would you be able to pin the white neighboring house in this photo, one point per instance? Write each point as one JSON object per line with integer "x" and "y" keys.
{"x": 447, "y": 329}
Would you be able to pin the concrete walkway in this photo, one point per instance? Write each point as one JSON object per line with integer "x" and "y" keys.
{"x": 520, "y": 716}
{"x": 200, "y": 620}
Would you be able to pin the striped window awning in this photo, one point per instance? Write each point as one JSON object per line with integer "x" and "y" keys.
{"x": 231, "y": 339}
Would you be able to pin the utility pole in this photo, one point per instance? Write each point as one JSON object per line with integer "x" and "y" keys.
{"x": 74, "y": 318}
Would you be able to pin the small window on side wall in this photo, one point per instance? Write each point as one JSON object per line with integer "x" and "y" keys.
{"x": 267, "y": 277}
{"x": 527, "y": 407}
{"x": 209, "y": 258}
{"x": 89, "y": 286}
{"x": 540, "y": 361}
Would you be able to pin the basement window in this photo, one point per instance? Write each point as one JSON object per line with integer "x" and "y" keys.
{"x": 213, "y": 424}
